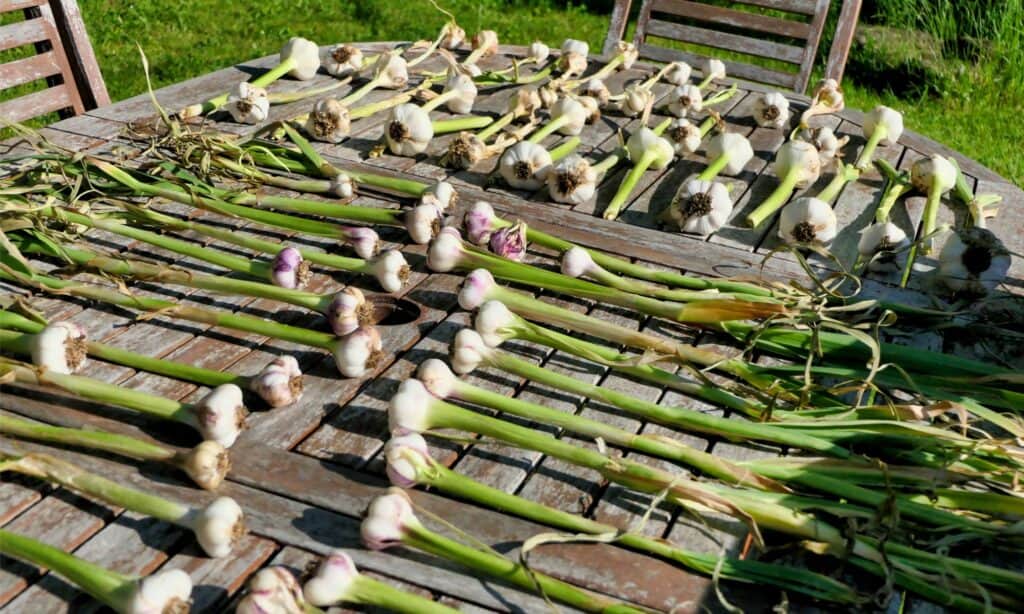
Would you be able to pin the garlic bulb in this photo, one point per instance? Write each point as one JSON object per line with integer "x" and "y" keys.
{"x": 207, "y": 464}
{"x": 359, "y": 352}
{"x": 635, "y": 100}
{"x": 573, "y": 61}
{"x": 933, "y": 172}
{"x": 485, "y": 42}
{"x": 571, "y": 114}
{"x": 509, "y": 242}
{"x": 464, "y": 90}
{"x": 288, "y": 269}
{"x": 596, "y": 89}
{"x": 629, "y": 53}
{"x": 829, "y": 94}
{"x": 60, "y": 347}
{"x": 592, "y": 108}
{"x": 684, "y": 136}
{"x": 391, "y": 71}
{"x": 391, "y": 270}
{"x": 493, "y": 322}
{"x": 468, "y": 351}
{"x": 808, "y": 220}
{"x": 169, "y": 590}
{"x": 442, "y": 195}
{"x": 365, "y": 242}
{"x": 408, "y": 130}
{"x": 525, "y": 103}
{"x": 409, "y": 409}
{"x": 713, "y": 69}
{"x": 888, "y": 120}
{"x": 452, "y": 36}
{"x": 685, "y": 99}
{"x": 388, "y": 518}
{"x": 824, "y": 138}
{"x": 572, "y": 181}
{"x": 973, "y": 261}
{"x": 334, "y": 578}
{"x": 423, "y": 223}
{"x": 280, "y": 382}
{"x": 476, "y": 289}
{"x": 304, "y": 56}
{"x": 548, "y": 96}
{"x": 771, "y": 110}
{"x": 328, "y": 121}
{"x": 437, "y": 378}
{"x": 735, "y": 147}
{"x": 272, "y": 590}
{"x": 342, "y": 186}
{"x": 644, "y": 141}
{"x": 445, "y": 252}
{"x": 248, "y": 104}
{"x": 701, "y": 207}
{"x": 525, "y": 165}
{"x": 479, "y": 222}
{"x": 800, "y": 159}
{"x": 343, "y": 60}
{"x": 539, "y": 52}
{"x": 577, "y": 262}
{"x": 348, "y": 311}
{"x": 465, "y": 150}
{"x": 571, "y": 45}
{"x": 677, "y": 73}
{"x": 220, "y": 415}
{"x": 406, "y": 456}
{"x": 881, "y": 245}
{"x": 219, "y": 526}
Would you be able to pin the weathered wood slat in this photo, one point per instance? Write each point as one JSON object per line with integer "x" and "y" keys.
{"x": 37, "y": 103}
{"x": 725, "y": 40}
{"x": 23, "y": 33}
{"x": 747, "y": 20}
{"x": 28, "y": 70}
{"x": 736, "y": 69}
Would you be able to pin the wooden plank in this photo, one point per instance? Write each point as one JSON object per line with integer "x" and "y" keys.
{"x": 806, "y": 7}
{"x": 23, "y": 33}
{"x": 616, "y": 26}
{"x": 811, "y": 49}
{"x": 746, "y": 20}
{"x": 735, "y": 69}
{"x": 29, "y": 69}
{"x": 80, "y": 56}
{"x": 215, "y": 580}
{"x": 37, "y": 103}
{"x": 842, "y": 40}
{"x": 725, "y": 40}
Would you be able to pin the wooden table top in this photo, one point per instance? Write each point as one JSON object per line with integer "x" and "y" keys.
{"x": 305, "y": 473}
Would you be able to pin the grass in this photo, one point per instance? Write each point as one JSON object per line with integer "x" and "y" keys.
{"x": 975, "y": 106}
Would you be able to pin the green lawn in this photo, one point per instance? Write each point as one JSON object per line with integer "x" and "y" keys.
{"x": 980, "y": 115}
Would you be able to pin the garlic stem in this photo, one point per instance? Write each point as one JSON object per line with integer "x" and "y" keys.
{"x": 86, "y": 438}
{"x": 458, "y": 124}
{"x": 715, "y": 167}
{"x": 845, "y": 174}
{"x": 896, "y": 185}
{"x": 496, "y": 126}
{"x": 775, "y": 200}
{"x": 640, "y": 166}
{"x": 368, "y": 591}
{"x": 548, "y": 129}
{"x": 265, "y": 79}
{"x": 877, "y": 135}
{"x": 930, "y": 217}
{"x": 564, "y": 149}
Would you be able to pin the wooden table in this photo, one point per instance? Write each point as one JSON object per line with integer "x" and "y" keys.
{"x": 304, "y": 474}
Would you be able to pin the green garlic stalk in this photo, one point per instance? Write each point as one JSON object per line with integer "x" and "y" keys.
{"x": 409, "y": 463}
{"x": 797, "y": 165}
{"x": 390, "y": 521}
{"x": 646, "y": 150}
{"x": 207, "y": 464}
{"x": 167, "y": 592}
{"x": 218, "y": 527}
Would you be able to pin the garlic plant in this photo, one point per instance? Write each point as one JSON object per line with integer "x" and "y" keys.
{"x": 248, "y": 104}
{"x": 881, "y": 126}
{"x": 409, "y": 128}
{"x": 771, "y": 110}
{"x": 973, "y": 261}
{"x": 797, "y": 165}
{"x": 934, "y": 176}
{"x": 468, "y": 149}
{"x": 685, "y": 100}
{"x": 828, "y": 99}
{"x": 729, "y": 153}
{"x": 882, "y": 244}
{"x": 218, "y": 526}
{"x": 808, "y": 220}
{"x": 337, "y": 581}
{"x": 167, "y": 592}
{"x": 344, "y": 61}
{"x": 60, "y": 347}
{"x": 274, "y": 590}
{"x": 573, "y": 59}
{"x": 525, "y": 165}
{"x": 390, "y": 521}
{"x": 825, "y": 139}
{"x": 485, "y": 44}
{"x": 700, "y": 207}
{"x": 712, "y": 70}
{"x": 299, "y": 59}
{"x": 646, "y": 150}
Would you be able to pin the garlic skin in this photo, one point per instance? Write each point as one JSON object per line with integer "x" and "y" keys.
{"x": 539, "y": 52}
{"x": 475, "y": 289}
{"x": 701, "y": 207}
{"x": 409, "y": 409}
{"x": 596, "y": 89}
{"x": 685, "y": 99}
{"x": 468, "y": 351}
{"x": 169, "y": 590}
{"x": 635, "y": 100}
{"x": 219, "y": 526}
{"x": 348, "y": 311}
{"x": 465, "y": 150}
{"x": 342, "y": 186}
{"x": 452, "y": 36}
{"x": 465, "y": 88}
{"x": 509, "y": 242}
{"x": 441, "y": 195}
{"x": 359, "y": 352}
{"x": 408, "y": 131}
{"x": 973, "y": 261}
{"x": 220, "y": 415}
{"x": 771, "y": 110}
{"x": 573, "y": 61}
{"x": 486, "y": 41}
{"x": 737, "y": 147}
{"x": 808, "y": 220}
{"x": 391, "y": 71}
{"x": 577, "y": 262}
{"x": 684, "y": 136}
{"x": 525, "y": 103}
{"x": 830, "y": 94}
{"x": 479, "y": 222}
{"x": 365, "y": 241}
{"x": 330, "y": 585}
{"x": 525, "y": 165}
{"x": 890, "y": 119}
{"x": 572, "y": 181}
{"x": 406, "y": 456}
{"x": 445, "y": 251}
{"x": 492, "y": 321}
{"x": 280, "y": 382}
{"x": 644, "y": 140}
{"x": 713, "y": 69}
{"x": 423, "y": 222}
{"x": 574, "y": 113}
{"x": 343, "y": 60}
{"x": 592, "y": 108}
{"x": 387, "y": 520}
{"x": 934, "y": 168}
{"x": 272, "y": 590}
{"x": 548, "y": 96}
{"x": 328, "y": 122}
{"x": 60, "y": 347}
{"x": 884, "y": 236}
{"x": 825, "y": 139}
{"x": 571, "y": 45}
{"x": 437, "y": 378}
{"x": 801, "y": 157}
{"x": 288, "y": 269}
{"x": 207, "y": 464}
{"x": 391, "y": 270}
{"x": 306, "y": 56}
{"x": 677, "y": 73}
{"x": 248, "y": 104}
{"x": 630, "y": 54}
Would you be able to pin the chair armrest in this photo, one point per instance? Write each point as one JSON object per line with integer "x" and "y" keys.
{"x": 846, "y": 27}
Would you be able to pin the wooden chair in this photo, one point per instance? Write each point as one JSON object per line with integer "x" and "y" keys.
{"x": 758, "y": 30}
{"x": 62, "y": 56}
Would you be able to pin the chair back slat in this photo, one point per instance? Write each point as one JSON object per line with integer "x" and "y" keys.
{"x": 776, "y": 40}
{"x": 62, "y": 60}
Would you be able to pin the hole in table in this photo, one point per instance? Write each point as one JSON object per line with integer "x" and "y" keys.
{"x": 391, "y": 311}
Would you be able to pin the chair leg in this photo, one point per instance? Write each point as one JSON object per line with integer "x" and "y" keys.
{"x": 843, "y": 40}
